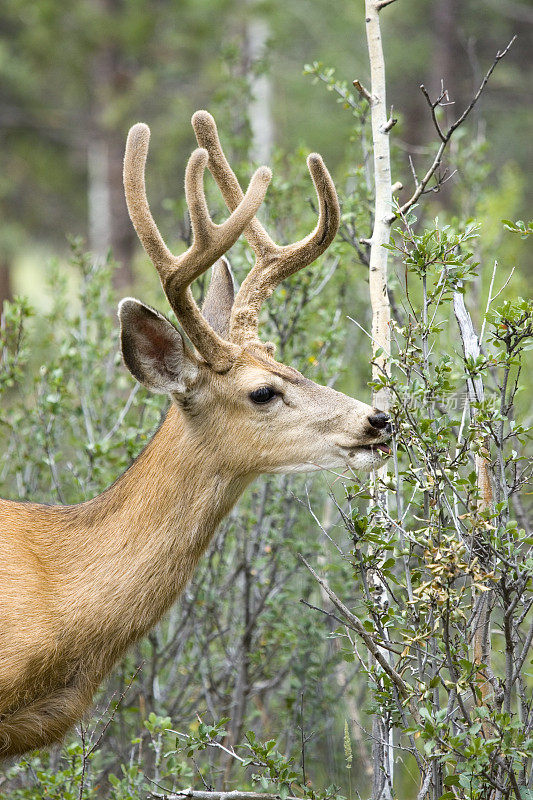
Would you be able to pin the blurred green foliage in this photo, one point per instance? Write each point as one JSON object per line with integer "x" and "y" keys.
{"x": 79, "y": 75}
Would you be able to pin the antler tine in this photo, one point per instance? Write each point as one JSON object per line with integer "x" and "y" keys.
{"x": 210, "y": 241}
{"x": 208, "y": 238}
{"x": 207, "y": 136}
{"x": 135, "y": 191}
{"x": 278, "y": 263}
{"x": 273, "y": 263}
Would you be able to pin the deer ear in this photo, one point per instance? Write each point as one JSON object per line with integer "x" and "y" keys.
{"x": 219, "y": 298}
{"x": 153, "y": 350}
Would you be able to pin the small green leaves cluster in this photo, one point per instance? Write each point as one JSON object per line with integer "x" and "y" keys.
{"x": 453, "y": 536}
{"x": 61, "y": 783}
{"x": 14, "y": 352}
{"x": 276, "y": 771}
{"x": 525, "y": 229}
{"x": 319, "y": 72}
{"x": 440, "y": 251}
{"x": 473, "y": 759}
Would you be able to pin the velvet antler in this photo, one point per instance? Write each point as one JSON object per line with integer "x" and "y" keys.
{"x": 210, "y": 241}
{"x": 273, "y": 262}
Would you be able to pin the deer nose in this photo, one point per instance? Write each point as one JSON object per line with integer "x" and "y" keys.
{"x": 381, "y": 421}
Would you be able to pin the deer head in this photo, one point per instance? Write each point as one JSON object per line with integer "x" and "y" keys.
{"x": 250, "y": 412}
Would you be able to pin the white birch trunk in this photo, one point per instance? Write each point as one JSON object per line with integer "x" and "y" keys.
{"x": 383, "y": 198}
{"x": 98, "y": 195}
{"x": 260, "y": 109}
{"x": 382, "y": 750}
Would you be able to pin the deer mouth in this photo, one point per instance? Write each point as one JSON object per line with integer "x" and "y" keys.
{"x": 382, "y": 448}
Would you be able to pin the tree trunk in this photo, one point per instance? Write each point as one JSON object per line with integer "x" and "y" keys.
{"x": 383, "y": 206}
{"x": 110, "y": 228}
{"x": 5, "y": 283}
{"x": 382, "y": 732}
{"x": 260, "y": 111}
{"x": 123, "y": 238}
{"x": 98, "y": 196}
{"x": 109, "y": 224}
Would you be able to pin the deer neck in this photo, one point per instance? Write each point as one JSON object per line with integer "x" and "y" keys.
{"x": 140, "y": 541}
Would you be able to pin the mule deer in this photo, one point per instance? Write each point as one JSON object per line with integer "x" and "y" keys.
{"x": 80, "y": 584}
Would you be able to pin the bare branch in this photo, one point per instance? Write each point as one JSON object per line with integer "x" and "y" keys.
{"x": 499, "y": 55}
{"x": 445, "y": 137}
{"x": 356, "y": 624}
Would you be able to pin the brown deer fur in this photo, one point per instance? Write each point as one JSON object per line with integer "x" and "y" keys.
{"x": 79, "y": 584}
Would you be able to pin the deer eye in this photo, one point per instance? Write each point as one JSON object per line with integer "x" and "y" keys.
{"x": 263, "y": 394}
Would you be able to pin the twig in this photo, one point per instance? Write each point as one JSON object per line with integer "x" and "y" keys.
{"x": 329, "y": 614}
{"x": 361, "y": 327}
{"x": 83, "y": 762}
{"x": 122, "y": 415}
{"x": 111, "y": 718}
{"x": 384, "y": 3}
{"x": 383, "y": 644}
{"x": 433, "y": 106}
{"x": 492, "y": 297}
{"x": 218, "y": 745}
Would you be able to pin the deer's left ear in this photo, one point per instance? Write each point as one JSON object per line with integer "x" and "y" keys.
{"x": 153, "y": 349}
{"x": 219, "y": 298}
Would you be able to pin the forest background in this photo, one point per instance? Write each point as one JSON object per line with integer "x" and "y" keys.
{"x": 240, "y": 661}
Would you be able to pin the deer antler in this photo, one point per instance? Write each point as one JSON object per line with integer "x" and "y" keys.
{"x": 273, "y": 262}
{"x": 210, "y": 241}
